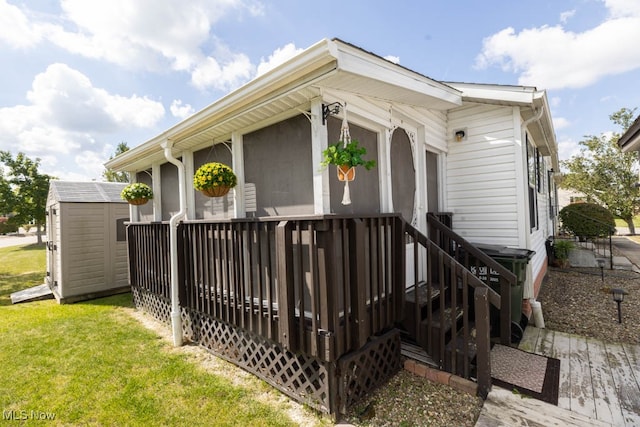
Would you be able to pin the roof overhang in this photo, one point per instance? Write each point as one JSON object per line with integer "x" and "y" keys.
{"x": 288, "y": 90}
{"x": 532, "y": 103}
{"x": 630, "y": 140}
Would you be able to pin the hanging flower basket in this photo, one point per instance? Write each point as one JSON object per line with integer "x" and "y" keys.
{"x": 346, "y": 173}
{"x": 138, "y": 202}
{"x": 347, "y": 157}
{"x": 218, "y": 191}
{"x": 214, "y": 179}
{"x": 137, "y": 193}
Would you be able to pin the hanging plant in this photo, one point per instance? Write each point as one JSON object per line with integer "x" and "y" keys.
{"x": 346, "y": 157}
{"x": 137, "y": 193}
{"x": 214, "y": 179}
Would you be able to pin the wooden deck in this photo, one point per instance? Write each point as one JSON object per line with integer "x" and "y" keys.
{"x": 599, "y": 384}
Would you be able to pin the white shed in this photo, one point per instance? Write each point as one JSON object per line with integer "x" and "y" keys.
{"x": 87, "y": 243}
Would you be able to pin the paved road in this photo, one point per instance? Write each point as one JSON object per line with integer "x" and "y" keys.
{"x": 15, "y": 240}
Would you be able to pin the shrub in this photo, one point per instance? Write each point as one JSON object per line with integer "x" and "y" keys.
{"x": 561, "y": 249}
{"x": 587, "y": 220}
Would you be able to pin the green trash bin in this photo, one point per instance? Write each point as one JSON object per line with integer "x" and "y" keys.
{"x": 516, "y": 261}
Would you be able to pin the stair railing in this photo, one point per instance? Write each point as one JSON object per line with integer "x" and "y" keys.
{"x": 491, "y": 272}
{"x": 599, "y": 244}
{"x": 458, "y": 289}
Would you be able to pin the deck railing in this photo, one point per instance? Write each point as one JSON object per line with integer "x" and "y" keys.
{"x": 320, "y": 286}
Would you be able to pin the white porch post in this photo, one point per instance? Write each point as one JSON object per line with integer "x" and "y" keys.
{"x": 319, "y": 142}
{"x": 237, "y": 153}
{"x": 156, "y": 182}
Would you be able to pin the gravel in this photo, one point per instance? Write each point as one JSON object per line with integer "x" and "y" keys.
{"x": 578, "y": 301}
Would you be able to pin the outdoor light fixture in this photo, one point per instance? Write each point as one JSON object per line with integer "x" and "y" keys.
{"x": 601, "y": 262}
{"x": 330, "y": 109}
{"x": 618, "y": 297}
{"x": 460, "y": 134}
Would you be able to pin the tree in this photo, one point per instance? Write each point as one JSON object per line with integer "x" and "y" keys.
{"x": 606, "y": 175}
{"x": 113, "y": 176}
{"x": 29, "y": 189}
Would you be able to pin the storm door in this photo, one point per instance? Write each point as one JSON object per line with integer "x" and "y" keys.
{"x": 403, "y": 189}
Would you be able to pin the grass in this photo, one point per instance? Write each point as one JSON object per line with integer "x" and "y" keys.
{"x": 623, "y": 223}
{"x": 93, "y": 364}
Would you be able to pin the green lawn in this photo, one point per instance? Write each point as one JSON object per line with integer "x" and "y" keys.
{"x": 623, "y": 223}
{"x": 93, "y": 364}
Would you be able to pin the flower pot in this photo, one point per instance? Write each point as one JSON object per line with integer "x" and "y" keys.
{"x": 218, "y": 191}
{"x": 346, "y": 173}
{"x": 137, "y": 202}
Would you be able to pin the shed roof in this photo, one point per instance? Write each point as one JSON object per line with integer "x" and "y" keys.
{"x": 86, "y": 192}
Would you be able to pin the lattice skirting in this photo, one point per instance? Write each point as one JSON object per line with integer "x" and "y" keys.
{"x": 158, "y": 307}
{"x": 327, "y": 387}
{"x": 369, "y": 367}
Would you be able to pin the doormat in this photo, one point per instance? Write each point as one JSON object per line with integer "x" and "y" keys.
{"x": 529, "y": 374}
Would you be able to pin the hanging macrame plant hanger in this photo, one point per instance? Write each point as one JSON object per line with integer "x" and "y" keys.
{"x": 345, "y": 138}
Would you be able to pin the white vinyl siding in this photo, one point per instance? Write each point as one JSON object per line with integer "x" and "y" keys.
{"x": 481, "y": 174}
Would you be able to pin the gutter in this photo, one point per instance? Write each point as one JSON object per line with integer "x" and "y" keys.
{"x": 176, "y": 319}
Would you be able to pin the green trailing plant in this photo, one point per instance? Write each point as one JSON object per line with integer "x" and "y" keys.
{"x": 214, "y": 174}
{"x": 587, "y": 220}
{"x": 350, "y": 155}
{"x": 136, "y": 191}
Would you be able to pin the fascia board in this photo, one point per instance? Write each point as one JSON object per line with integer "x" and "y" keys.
{"x": 358, "y": 62}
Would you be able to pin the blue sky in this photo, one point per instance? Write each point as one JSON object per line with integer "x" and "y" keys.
{"x": 80, "y": 76}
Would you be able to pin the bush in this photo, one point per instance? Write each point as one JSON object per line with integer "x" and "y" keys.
{"x": 562, "y": 248}
{"x": 586, "y": 220}
{"x": 8, "y": 227}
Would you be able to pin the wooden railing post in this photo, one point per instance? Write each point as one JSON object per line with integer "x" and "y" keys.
{"x": 505, "y": 312}
{"x": 358, "y": 283}
{"x": 483, "y": 359}
{"x": 286, "y": 301}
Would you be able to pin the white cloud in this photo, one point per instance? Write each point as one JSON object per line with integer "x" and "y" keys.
{"x": 555, "y": 101}
{"x": 16, "y": 30}
{"x": 209, "y": 73}
{"x": 560, "y": 123}
{"x": 278, "y": 56}
{"x": 553, "y": 58}
{"x": 141, "y": 35}
{"x": 394, "y": 59}
{"x": 564, "y": 16}
{"x": 66, "y": 114}
{"x": 181, "y": 111}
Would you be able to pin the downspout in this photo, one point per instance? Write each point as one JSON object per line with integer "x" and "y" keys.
{"x": 176, "y": 319}
{"x": 523, "y": 130}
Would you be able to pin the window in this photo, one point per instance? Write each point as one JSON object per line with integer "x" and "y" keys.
{"x": 532, "y": 175}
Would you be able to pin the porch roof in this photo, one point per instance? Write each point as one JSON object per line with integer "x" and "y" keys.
{"x": 530, "y": 100}
{"x": 288, "y": 90}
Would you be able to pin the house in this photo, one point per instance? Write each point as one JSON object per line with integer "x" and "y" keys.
{"x": 630, "y": 140}
{"x": 283, "y": 279}
{"x": 86, "y": 246}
